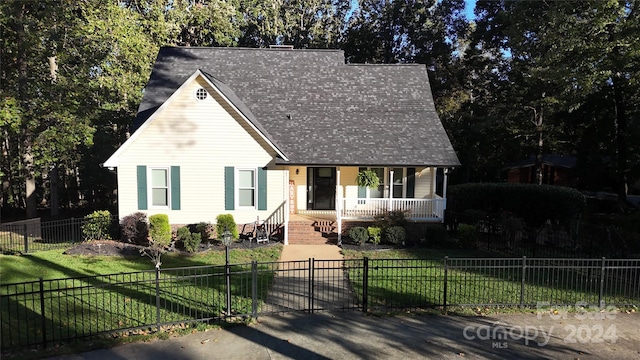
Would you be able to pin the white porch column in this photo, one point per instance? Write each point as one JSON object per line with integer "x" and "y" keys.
{"x": 338, "y": 206}
{"x": 434, "y": 181}
{"x": 444, "y": 193}
{"x": 390, "y": 206}
{"x": 444, "y": 187}
{"x": 286, "y": 208}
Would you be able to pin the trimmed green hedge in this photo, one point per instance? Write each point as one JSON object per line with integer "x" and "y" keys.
{"x": 226, "y": 222}
{"x": 535, "y": 204}
{"x": 160, "y": 229}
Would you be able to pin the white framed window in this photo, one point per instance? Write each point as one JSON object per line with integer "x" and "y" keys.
{"x": 399, "y": 182}
{"x": 397, "y": 185}
{"x": 379, "y": 192}
{"x": 246, "y": 188}
{"x": 201, "y": 94}
{"x": 160, "y": 187}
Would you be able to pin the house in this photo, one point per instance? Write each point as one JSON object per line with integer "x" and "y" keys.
{"x": 279, "y": 135}
{"x": 556, "y": 170}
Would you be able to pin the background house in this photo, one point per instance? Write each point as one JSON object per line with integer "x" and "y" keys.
{"x": 273, "y": 133}
{"x": 556, "y": 170}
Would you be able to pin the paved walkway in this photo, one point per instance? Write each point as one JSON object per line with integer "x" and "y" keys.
{"x": 305, "y": 252}
{"x": 290, "y": 290}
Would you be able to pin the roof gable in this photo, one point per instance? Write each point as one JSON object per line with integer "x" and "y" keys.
{"x": 313, "y": 107}
{"x": 226, "y": 93}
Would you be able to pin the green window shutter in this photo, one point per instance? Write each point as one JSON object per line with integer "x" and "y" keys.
{"x": 142, "y": 187}
{"x": 411, "y": 183}
{"x": 262, "y": 189}
{"x": 362, "y": 190}
{"x": 229, "y": 198}
{"x": 175, "y": 188}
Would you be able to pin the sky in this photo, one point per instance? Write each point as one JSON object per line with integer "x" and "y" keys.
{"x": 468, "y": 10}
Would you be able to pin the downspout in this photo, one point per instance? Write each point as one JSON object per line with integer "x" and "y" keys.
{"x": 338, "y": 206}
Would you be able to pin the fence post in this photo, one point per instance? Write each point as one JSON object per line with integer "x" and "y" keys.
{"x": 444, "y": 300}
{"x": 43, "y": 320}
{"x": 254, "y": 289}
{"x": 365, "y": 284}
{"x": 26, "y": 238}
{"x": 601, "y": 293}
{"x": 524, "y": 266}
{"x": 311, "y": 260}
{"x": 158, "y": 298}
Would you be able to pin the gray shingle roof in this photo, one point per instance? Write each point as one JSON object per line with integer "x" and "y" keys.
{"x": 315, "y": 108}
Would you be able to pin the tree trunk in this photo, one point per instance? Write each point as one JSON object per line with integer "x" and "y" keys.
{"x": 30, "y": 184}
{"x": 55, "y": 194}
{"x": 27, "y": 157}
{"x": 620, "y": 136}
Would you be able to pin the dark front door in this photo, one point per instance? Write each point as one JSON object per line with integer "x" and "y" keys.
{"x": 321, "y": 192}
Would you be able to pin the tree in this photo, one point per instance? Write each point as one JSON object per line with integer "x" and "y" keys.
{"x": 557, "y": 58}
{"x": 303, "y": 24}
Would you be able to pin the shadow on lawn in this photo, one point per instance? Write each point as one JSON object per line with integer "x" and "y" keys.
{"x": 84, "y": 306}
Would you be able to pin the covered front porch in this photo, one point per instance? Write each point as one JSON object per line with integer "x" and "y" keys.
{"x": 431, "y": 210}
{"x": 332, "y": 193}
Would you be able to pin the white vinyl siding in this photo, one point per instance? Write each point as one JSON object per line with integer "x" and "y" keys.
{"x": 202, "y": 137}
{"x": 425, "y": 186}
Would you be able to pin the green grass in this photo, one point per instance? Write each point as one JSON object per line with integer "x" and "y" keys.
{"x": 53, "y": 264}
{"x": 104, "y": 302}
{"x": 417, "y": 253}
{"x": 415, "y": 278}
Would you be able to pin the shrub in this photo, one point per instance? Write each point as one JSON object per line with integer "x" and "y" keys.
{"x": 96, "y": 225}
{"x": 205, "y": 230}
{"x": 391, "y": 218}
{"x": 134, "y": 228}
{"x": 159, "y": 229}
{"x": 375, "y": 233}
{"x": 359, "y": 235}
{"x": 533, "y": 203}
{"x": 435, "y": 235}
{"x": 191, "y": 241}
{"x": 226, "y": 222}
{"x": 395, "y": 235}
{"x": 467, "y": 234}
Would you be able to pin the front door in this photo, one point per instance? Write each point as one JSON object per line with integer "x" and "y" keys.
{"x": 321, "y": 191}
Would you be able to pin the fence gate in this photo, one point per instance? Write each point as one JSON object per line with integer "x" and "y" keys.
{"x": 311, "y": 285}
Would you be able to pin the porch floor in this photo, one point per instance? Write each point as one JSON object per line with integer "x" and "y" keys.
{"x": 309, "y": 215}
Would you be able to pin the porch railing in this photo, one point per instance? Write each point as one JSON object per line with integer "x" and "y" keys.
{"x": 276, "y": 220}
{"x": 415, "y": 209}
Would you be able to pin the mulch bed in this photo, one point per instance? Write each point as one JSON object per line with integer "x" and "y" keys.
{"x": 118, "y": 248}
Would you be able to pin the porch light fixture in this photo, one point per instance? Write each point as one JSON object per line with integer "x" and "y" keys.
{"x": 297, "y": 171}
{"x": 226, "y": 241}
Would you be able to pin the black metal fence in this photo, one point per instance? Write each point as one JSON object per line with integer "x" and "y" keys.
{"x": 46, "y": 312}
{"x": 35, "y": 235}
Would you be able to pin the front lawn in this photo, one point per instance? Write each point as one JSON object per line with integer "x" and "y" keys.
{"x": 111, "y": 293}
{"x": 353, "y": 252}
{"x": 415, "y": 278}
{"x": 54, "y": 264}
